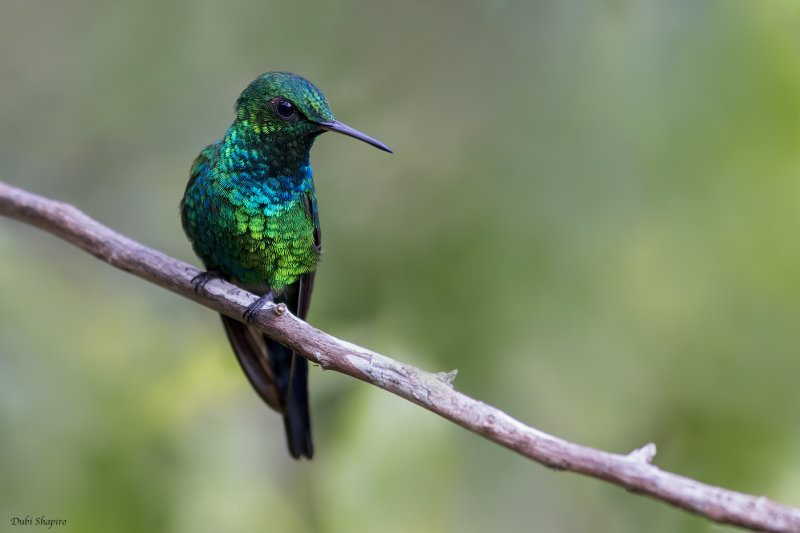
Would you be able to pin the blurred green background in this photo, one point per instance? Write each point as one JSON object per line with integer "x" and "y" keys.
{"x": 592, "y": 212}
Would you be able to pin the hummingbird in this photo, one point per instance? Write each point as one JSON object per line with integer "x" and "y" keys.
{"x": 250, "y": 213}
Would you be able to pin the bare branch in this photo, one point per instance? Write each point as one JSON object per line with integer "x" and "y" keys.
{"x": 434, "y": 392}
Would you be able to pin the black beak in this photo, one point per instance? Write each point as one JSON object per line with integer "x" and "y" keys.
{"x": 338, "y": 127}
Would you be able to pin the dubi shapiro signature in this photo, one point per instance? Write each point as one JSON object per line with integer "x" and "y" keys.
{"x": 38, "y": 521}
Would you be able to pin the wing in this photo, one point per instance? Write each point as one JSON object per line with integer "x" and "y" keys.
{"x": 201, "y": 165}
{"x": 306, "y": 282}
{"x": 251, "y": 351}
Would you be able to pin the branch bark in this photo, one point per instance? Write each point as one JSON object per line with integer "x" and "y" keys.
{"x": 434, "y": 392}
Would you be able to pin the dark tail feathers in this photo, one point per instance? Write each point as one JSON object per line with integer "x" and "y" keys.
{"x": 291, "y": 372}
{"x": 280, "y": 379}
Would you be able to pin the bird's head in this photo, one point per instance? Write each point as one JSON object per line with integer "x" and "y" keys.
{"x": 290, "y": 110}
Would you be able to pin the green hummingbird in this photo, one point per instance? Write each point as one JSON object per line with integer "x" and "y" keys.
{"x": 250, "y": 212}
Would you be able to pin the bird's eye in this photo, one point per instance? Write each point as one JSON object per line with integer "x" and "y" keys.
{"x": 284, "y": 108}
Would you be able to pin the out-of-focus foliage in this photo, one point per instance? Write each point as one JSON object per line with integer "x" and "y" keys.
{"x": 592, "y": 212}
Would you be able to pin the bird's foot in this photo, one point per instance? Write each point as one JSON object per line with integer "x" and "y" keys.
{"x": 256, "y": 306}
{"x": 200, "y": 280}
